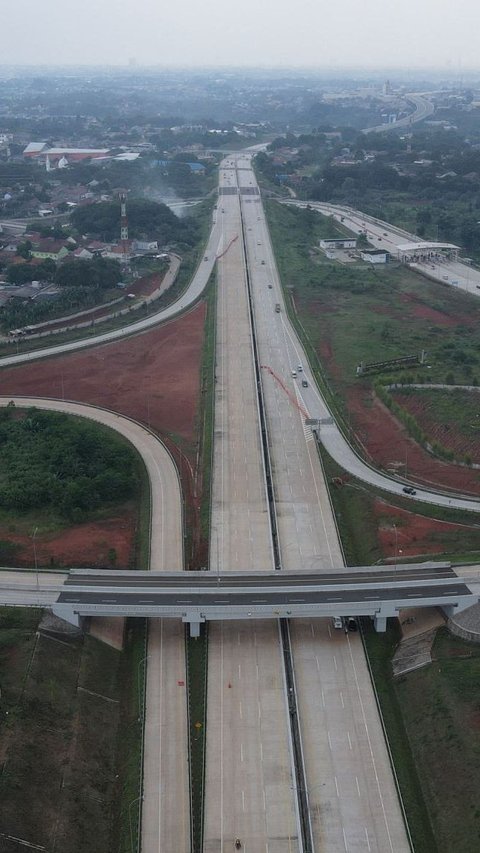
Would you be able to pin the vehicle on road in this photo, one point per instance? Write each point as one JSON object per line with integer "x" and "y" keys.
{"x": 409, "y": 490}
{"x": 263, "y": 262}
{"x": 277, "y": 308}
{"x": 351, "y": 624}
{"x": 294, "y": 374}
{"x": 299, "y": 368}
{"x": 304, "y": 383}
{"x": 337, "y": 622}
{"x": 269, "y": 286}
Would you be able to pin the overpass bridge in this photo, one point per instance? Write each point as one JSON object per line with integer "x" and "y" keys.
{"x": 197, "y": 597}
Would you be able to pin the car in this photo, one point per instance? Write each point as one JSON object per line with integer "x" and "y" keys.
{"x": 351, "y": 624}
{"x": 299, "y": 368}
{"x": 294, "y": 374}
{"x": 263, "y": 262}
{"x": 269, "y": 286}
{"x": 258, "y": 243}
{"x": 206, "y": 258}
{"x": 409, "y": 490}
{"x": 385, "y": 234}
{"x": 304, "y": 383}
{"x": 337, "y": 622}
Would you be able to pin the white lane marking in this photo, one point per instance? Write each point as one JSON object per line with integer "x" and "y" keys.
{"x": 240, "y": 710}
{"x": 243, "y": 800}
{"x": 374, "y": 763}
{"x": 241, "y": 752}
{"x": 329, "y": 741}
{"x": 239, "y": 670}
{"x": 265, "y": 805}
{"x": 341, "y": 699}
{"x": 368, "y": 840}
{"x": 358, "y": 786}
{"x": 335, "y": 663}
{"x": 349, "y": 740}
{"x": 323, "y": 698}
{"x": 345, "y": 839}
{"x": 336, "y": 787}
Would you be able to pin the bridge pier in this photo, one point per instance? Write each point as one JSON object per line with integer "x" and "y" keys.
{"x": 194, "y": 621}
{"x": 380, "y": 623}
{"x": 67, "y": 613}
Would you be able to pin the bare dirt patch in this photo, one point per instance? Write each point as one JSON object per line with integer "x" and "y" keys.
{"x": 153, "y": 377}
{"x": 388, "y": 444}
{"x": 415, "y": 534}
{"x": 418, "y": 309}
{"x": 108, "y": 543}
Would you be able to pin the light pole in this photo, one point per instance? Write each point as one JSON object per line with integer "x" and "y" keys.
{"x": 138, "y": 686}
{"x": 396, "y": 547}
{"x": 35, "y": 557}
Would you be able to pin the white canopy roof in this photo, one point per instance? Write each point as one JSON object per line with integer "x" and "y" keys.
{"x": 419, "y": 247}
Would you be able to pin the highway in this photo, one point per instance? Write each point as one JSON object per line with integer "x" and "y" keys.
{"x": 423, "y": 109}
{"x": 342, "y": 816}
{"x": 250, "y": 785}
{"x": 249, "y": 782}
{"x": 383, "y": 235}
{"x": 165, "y": 807}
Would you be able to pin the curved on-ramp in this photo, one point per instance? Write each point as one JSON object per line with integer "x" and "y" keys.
{"x": 166, "y": 804}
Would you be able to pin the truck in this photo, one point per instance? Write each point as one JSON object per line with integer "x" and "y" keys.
{"x": 277, "y": 308}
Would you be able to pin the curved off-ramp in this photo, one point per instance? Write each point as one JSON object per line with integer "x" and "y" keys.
{"x": 166, "y": 804}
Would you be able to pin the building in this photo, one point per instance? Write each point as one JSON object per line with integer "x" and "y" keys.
{"x": 54, "y": 249}
{"x": 374, "y": 256}
{"x": 342, "y": 243}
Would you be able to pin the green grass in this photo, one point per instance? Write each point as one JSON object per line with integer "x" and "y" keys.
{"x": 197, "y": 655}
{"x": 370, "y": 314}
{"x": 435, "y": 713}
{"x": 380, "y": 649}
{"x": 69, "y": 736}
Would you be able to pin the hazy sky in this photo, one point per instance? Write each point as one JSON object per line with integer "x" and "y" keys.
{"x": 378, "y": 33}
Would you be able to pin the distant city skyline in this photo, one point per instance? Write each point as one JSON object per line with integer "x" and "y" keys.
{"x": 416, "y": 34}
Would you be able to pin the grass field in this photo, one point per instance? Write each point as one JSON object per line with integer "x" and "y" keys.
{"x": 65, "y": 738}
{"x": 451, "y": 418}
{"x": 355, "y": 313}
{"x": 433, "y": 714}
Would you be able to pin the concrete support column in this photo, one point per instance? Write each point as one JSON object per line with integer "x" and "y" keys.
{"x": 194, "y": 621}
{"x": 380, "y": 623}
{"x": 66, "y": 612}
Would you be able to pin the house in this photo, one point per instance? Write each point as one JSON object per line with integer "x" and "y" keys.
{"x": 54, "y": 249}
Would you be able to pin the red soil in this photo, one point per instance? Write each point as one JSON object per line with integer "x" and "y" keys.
{"x": 85, "y": 545}
{"x": 418, "y": 309}
{"x": 414, "y": 532}
{"x": 386, "y": 442}
{"x": 154, "y": 378}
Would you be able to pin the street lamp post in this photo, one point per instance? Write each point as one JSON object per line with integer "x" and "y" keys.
{"x": 138, "y": 686}
{"x": 35, "y": 558}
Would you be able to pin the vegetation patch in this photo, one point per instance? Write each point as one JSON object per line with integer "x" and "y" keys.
{"x": 66, "y": 467}
{"x": 449, "y": 419}
{"x": 437, "y": 709}
{"x": 69, "y": 738}
{"x": 197, "y": 656}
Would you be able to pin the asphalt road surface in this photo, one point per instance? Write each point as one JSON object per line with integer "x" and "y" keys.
{"x": 166, "y": 805}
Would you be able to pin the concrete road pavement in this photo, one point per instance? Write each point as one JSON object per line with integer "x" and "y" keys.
{"x": 249, "y": 783}
{"x": 346, "y": 797}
